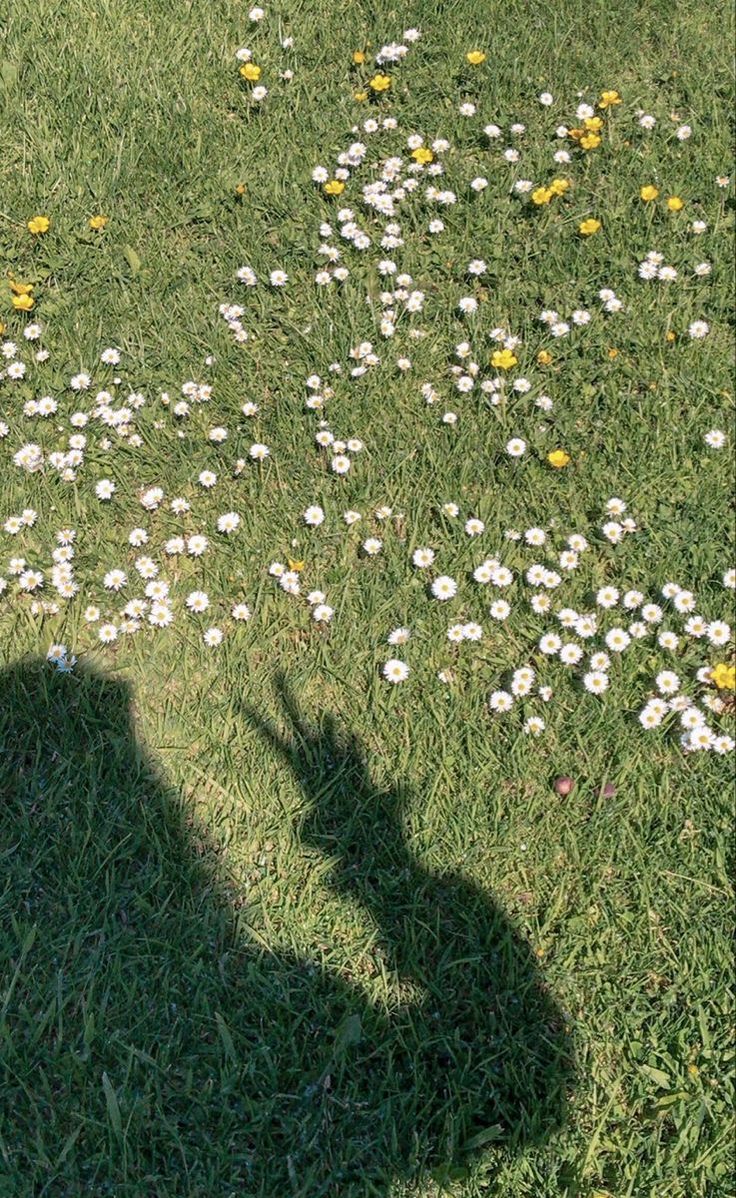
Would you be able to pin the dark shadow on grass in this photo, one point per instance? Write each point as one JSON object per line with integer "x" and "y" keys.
{"x": 148, "y": 1049}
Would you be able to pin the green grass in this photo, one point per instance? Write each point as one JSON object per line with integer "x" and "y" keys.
{"x": 269, "y": 926}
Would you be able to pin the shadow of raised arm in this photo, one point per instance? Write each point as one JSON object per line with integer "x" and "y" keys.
{"x": 484, "y": 1036}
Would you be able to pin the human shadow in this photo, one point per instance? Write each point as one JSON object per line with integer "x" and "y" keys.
{"x": 149, "y": 1047}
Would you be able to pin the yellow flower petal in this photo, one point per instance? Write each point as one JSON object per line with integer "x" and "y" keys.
{"x": 608, "y": 98}
{"x": 422, "y": 155}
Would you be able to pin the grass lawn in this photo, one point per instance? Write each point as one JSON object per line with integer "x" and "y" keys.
{"x": 278, "y": 915}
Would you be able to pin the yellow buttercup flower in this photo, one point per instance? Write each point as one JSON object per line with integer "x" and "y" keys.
{"x": 423, "y": 155}
{"x": 558, "y": 458}
{"x": 240, "y": 189}
{"x": 251, "y": 72}
{"x": 38, "y": 224}
{"x": 334, "y": 187}
{"x": 724, "y": 676}
{"x": 475, "y": 57}
{"x": 360, "y": 96}
{"x": 675, "y": 204}
{"x": 558, "y": 187}
{"x": 575, "y": 134}
{"x": 542, "y": 195}
{"x": 609, "y": 98}
{"x": 612, "y": 353}
{"x": 98, "y": 222}
{"x": 593, "y": 124}
{"x": 590, "y": 141}
{"x": 380, "y": 83}
{"x": 23, "y": 303}
{"x": 358, "y": 57}
{"x": 648, "y": 193}
{"x": 297, "y": 566}
{"x": 544, "y": 357}
{"x": 503, "y": 359}
{"x": 20, "y": 288}
{"x": 589, "y": 226}
{"x": 670, "y": 336}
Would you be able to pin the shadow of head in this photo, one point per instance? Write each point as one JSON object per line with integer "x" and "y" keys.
{"x": 145, "y": 1028}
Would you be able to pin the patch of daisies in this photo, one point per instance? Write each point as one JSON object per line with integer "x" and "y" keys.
{"x": 255, "y": 62}
{"x": 156, "y": 568}
{"x": 402, "y": 191}
{"x": 588, "y": 644}
{"x": 387, "y": 191}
